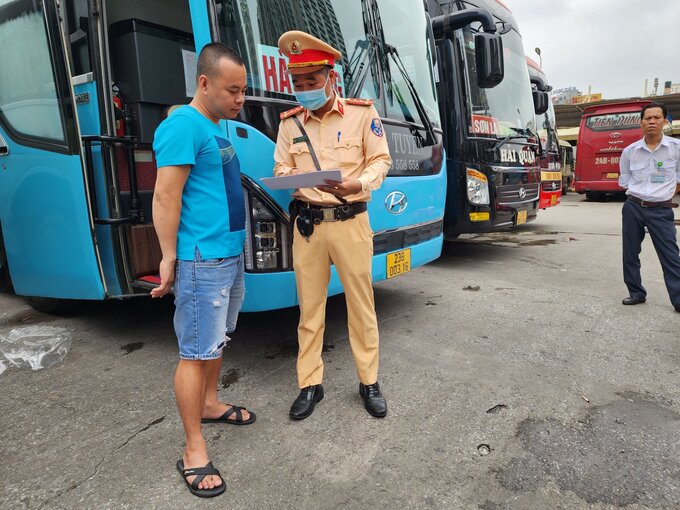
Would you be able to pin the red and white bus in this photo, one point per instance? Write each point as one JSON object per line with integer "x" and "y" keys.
{"x": 605, "y": 131}
{"x": 550, "y": 162}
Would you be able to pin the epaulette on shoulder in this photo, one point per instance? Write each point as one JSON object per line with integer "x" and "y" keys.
{"x": 292, "y": 112}
{"x": 359, "y": 102}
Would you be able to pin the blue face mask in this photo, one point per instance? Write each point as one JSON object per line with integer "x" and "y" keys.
{"x": 313, "y": 99}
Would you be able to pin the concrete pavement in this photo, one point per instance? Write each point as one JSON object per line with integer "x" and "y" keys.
{"x": 514, "y": 379}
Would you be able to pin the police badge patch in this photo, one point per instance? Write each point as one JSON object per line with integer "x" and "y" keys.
{"x": 295, "y": 48}
{"x": 376, "y": 127}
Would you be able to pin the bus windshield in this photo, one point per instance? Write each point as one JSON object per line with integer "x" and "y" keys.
{"x": 253, "y": 28}
{"x": 506, "y": 108}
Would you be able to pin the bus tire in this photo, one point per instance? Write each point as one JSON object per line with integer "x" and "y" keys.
{"x": 51, "y": 306}
{"x": 594, "y": 196}
{"x": 5, "y": 279}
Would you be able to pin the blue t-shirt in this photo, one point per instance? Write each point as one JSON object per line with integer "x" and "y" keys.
{"x": 213, "y": 209}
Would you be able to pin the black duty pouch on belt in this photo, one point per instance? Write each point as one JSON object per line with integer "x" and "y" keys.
{"x": 304, "y": 224}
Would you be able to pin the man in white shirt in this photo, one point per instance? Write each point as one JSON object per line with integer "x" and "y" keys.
{"x": 650, "y": 172}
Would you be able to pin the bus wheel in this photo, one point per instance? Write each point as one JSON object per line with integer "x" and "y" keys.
{"x": 52, "y": 306}
{"x": 5, "y": 280}
{"x": 565, "y": 188}
{"x": 594, "y": 196}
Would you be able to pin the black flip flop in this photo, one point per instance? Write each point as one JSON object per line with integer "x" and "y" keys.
{"x": 201, "y": 473}
{"x": 225, "y": 417}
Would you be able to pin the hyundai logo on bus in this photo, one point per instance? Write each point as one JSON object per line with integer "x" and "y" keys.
{"x": 396, "y": 202}
{"x": 522, "y": 193}
{"x": 615, "y": 135}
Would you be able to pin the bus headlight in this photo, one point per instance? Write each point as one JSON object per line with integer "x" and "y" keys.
{"x": 267, "y": 245}
{"x": 477, "y": 187}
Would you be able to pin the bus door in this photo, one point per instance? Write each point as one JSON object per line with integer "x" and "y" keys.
{"x": 567, "y": 160}
{"x": 45, "y": 212}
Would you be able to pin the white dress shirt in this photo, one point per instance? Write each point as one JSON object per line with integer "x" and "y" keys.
{"x": 651, "y": 175}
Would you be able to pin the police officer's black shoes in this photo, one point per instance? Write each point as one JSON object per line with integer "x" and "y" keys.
{"x": 304, "y": 404}
{"x": 373, "y": 399}
{"x": 633, "y": 300}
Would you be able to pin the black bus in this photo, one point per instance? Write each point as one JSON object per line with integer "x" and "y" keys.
{"x": 490, "y": 134}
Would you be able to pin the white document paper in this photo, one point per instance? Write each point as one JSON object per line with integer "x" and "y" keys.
{"x": 307, "y": 180}
{"x": 190, "y": 62}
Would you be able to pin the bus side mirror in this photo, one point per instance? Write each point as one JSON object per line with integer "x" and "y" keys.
{"x": 541, "y": 101}
{"x": 489, "y": 59}
{"x": 444, "y": 25}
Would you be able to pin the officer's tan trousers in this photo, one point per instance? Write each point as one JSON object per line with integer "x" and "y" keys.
{"x": 349, "y": 245}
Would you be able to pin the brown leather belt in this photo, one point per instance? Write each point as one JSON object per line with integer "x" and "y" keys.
{"x": 646, "y": 203}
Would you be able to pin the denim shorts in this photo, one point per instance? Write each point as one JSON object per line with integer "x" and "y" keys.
{"x": 208, "y": 298}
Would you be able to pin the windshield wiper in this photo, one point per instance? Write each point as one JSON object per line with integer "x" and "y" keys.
{"x": 379, "y": 32}
{"x": 356, "y": 63}
{"x": 358, "y": 68}
{"x": 518, "y": 133}
{"x": 367, "y": 53}
{"x": 420, "y": 107}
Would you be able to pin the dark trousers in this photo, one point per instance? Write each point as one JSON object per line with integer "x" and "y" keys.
{"x": 661, "y": 228}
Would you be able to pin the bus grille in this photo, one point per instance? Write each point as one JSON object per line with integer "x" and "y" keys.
{"x": 513, "y": 194}
{"x": 551, "y": 186}
{"x": 385, "y": 242}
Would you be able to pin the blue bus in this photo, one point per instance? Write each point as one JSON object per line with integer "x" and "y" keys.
{"x": 85, "y": 83}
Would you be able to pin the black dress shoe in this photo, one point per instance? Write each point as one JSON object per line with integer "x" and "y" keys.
{"x": 373, "y": 399}
{"x": 304, "y": 404}
{"x": 633, "y": 300}
{"x": 677, "y": 308}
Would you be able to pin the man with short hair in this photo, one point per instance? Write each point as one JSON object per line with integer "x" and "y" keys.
{"x": 650, "y": 172}
{"x": 199, "y": 216}
{"x": 328, "y": 132}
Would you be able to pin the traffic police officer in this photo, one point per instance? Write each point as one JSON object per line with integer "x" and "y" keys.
{"x": 650, "y": 171}
{"x": 327, "y": 132}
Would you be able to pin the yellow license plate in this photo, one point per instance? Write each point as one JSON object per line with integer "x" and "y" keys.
{"x": 398, "y": 263}
{"x": 551, "y": 176}
{"x": 521, "y": 217}
{"x": 553, "y": 200}
{"x": 612, "y": 175}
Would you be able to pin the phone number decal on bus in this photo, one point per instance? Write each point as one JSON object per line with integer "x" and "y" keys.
{"x": 608, "y": 161}
{"x": 406, "y": 164}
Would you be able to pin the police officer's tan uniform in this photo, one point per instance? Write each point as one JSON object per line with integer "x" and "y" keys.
{"x": 350, "y": 138}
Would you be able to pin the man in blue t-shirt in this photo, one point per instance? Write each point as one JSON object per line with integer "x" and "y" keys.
{"x": 199, "y": 216}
